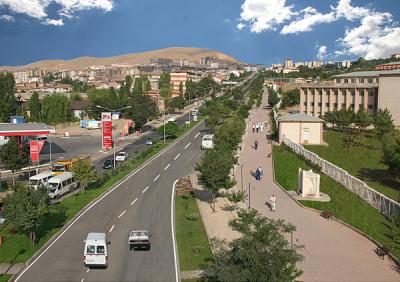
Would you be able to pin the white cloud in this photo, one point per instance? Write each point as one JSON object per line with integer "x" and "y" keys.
{"x": 322, "y": 51}
{"x": 58, "y": 22}
{"x": 37, "y": 8}
{"x": 7, "y": 18}
{"x": 265, "y": 14}
{"x": 240, "y": 26}
{"x": 310, "y": 18}
{"x": 344, "y": 9}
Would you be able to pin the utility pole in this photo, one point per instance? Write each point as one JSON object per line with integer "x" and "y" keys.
{"x": 113, "y": 153}
{"x": 249, "y": 195}
{"x": 241, "y": 175}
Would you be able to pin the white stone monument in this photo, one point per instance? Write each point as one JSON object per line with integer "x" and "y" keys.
{"x": 308, "y": 184}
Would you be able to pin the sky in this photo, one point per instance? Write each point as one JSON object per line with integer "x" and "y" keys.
{"x": 252, "y": 31}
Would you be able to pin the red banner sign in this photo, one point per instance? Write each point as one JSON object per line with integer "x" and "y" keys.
{"x": 106, "y": 127}
{"x": 35, "y": 147}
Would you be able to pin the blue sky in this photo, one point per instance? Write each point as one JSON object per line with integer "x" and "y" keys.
{"x": 253, "y": 31}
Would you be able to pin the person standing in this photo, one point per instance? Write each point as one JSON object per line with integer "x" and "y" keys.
{"x": 261, "y": 172}
{"x": 257, "y": 127}
{"x": 273, "y": 203}
{"x": 254, "y": 127}
{"x": 255, "y": 145}
{"x": 257, "y": 174}
{"x": 261, "y": 126}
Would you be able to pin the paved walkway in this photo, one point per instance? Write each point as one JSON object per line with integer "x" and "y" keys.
{"x": 7, "y": 268}
{"x": 332, "y": 251}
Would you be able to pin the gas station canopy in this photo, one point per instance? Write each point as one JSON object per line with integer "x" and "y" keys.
{"x": 24, "y": 129}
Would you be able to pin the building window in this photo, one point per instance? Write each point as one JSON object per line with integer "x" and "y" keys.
{"x": 369, "y": 80}
{"x": 353, "y": 80}
{"x": 319, "y": 104}
{"x": 305, "y": 112}
{"x": 327, "y": 105}
{"x": 343, "y": 106}
{"x": 312, "y": 104}
{"x": 338, "y": 80}
{"x": 362, "y": 80}
{"x": 371, "y": 107}
{"x": 352, "y": 106}
{"x": 370, "y": 93}
{"x": 305, "y": 103}
{"x": 346, "y": 80}
{"x": 352, "y": 93}
{"x": 362, "y": 93}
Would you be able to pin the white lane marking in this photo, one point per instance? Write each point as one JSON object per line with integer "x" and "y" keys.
{"x": 177, "y": 278}
{"x": 168, "y": 165}
{"x": 197, "y": 135}
{"x": 111, "y": 229}
{"x": 133, "y": 202}
{"x": 87, "y": 270}
{"x": 145, "y": 189}
{"x": 177, "y": 156}
{"x": 122, "y": 214}
{"x": 101, "y": 198}
{"x": 155, "y": 179}
{"x": 187, "y": 145}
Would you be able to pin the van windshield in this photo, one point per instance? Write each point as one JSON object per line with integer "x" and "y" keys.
{"x": 100, "y": 249}
{"x": 207, "y": 139}
{"x": 53, "y": 186}
{"x": 57, "y": 168}
{"x": 90, "y": 249}
{"x": 34, "y": 182}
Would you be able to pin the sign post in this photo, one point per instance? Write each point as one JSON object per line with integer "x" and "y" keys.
{"x": 106, "y": 129}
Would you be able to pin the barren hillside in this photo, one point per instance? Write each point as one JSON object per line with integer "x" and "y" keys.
{"x": 191, "y": 54}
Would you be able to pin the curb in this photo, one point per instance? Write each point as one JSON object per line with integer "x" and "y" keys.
{"x": 392, "y": 257}
{"x": 45, "y": 245}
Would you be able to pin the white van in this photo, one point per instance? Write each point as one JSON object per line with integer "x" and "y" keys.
{"x": 40, "y": 179}
{"x": 207, "y": 141}
{"x": 61, "y": 184}
{"x": 95, "y": 252}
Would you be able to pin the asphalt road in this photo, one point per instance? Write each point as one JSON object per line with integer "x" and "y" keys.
{"x": 143, "y": 201}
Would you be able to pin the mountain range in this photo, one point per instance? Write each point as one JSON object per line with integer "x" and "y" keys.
{"x": 189, "y": 53}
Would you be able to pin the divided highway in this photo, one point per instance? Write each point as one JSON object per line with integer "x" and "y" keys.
{"x": 141, "y": 201}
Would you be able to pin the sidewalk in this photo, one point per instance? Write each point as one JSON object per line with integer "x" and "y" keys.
{"x": 332, "y": 251}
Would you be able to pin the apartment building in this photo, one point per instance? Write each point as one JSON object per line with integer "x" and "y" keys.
{"x": 177, "y": 78}
{"x": 388, "y": 66}
{"x": 371, "y": 90}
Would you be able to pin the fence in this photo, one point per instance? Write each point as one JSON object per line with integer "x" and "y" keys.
{"x": 383, "y": 204}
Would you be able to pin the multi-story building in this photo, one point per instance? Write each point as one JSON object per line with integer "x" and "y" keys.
{"x": 388, "y": 66}
{"x": 177, "y": 78}
{"x": 21, "y": 76}
{"x": 343, "y": 64}
{"x": 288, "y": 64}
{"x": 371, "y": 90}
{"x": 395, "y": 56}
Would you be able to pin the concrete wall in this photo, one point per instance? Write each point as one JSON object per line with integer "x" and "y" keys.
{"x": 298, "y": 132}
{"x": 389, "y": 95}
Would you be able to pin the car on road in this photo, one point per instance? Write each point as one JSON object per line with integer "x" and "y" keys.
{"x": 139, "y": 239}
{"x": 2, "y": 219}
{"x": 121, "y": 157}
{"x": 149, "y": 141}
{"x": 95, "y": 252}
{"x": 108, "y": 164}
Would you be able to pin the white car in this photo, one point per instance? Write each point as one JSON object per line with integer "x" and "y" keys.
{"x": 139, "y": 239}
{"x": 121, "y": 157}
{"x": 2, "y": 219}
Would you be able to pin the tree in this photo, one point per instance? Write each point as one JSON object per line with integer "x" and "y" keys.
{"x": 362, "y": 120}
{"x": 394, "y": 229}
{"x": 142, "y": 109}
{"x": 391, "y": 152}
{"x": 383, "y": 122}
{"x": 237, "y": 197}
{"x": 262, "y": 254}
{"x": 331, "y": 117}
{"x": 55, "y": 108}
{"x": 171, "y": 130}
{"x": 180, "y": 89}
{"x": 12, "y": 157}
{"x": 273, "y": 98}
{"x": 25, "y": 209}
{"x": 7, "y": 98}
{"x": 138, "y": 86}
{"x": 35, "y": 107}
{"x": 164, "y": 81}
{"x": 85, "y": 173}
{"x": 344, "y": 118}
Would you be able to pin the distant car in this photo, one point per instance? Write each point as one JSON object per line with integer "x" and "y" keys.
{"x": 2, "y": 219}
{"x": 172, "y": 119}
{"x": 149, "y": 141}
{"x": 121, "y": 157}
{"x": 108, "y": 164}
{"x": 139, "y": 239}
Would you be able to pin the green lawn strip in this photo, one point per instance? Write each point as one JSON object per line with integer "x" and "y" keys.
{"x": 362, "y": 161}
{"x": 344, "y": 204}
{"x": 5, "y": 277}
{"x": 17, "y": 247}
{"x": 190, "y": 234}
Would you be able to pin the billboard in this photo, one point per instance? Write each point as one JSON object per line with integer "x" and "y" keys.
{"x": 35, "y": 146}
{"x": 106, "y": 129}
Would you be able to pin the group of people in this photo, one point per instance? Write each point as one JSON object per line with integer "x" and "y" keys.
{"x": 258, "y": 127}
{"x": 259, "y": 173}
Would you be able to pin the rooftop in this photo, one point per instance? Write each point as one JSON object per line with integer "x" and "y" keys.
{"x": 299, "y": 117}
{"x": 391, "y": 63}
{"x": 368, "y": 73}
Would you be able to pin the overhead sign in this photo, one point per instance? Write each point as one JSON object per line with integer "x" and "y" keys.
{"x": 106, "y": 128}
{"x": 35, "y": 146}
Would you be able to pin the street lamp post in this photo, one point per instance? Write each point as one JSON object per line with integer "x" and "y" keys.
{"x": 113, "y": 137}
{"x": 241, "y": 175}
{"x": 249, "y": 194}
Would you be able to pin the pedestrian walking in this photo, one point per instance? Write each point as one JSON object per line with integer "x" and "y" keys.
{"x": 261, "y": 172}
{"x": 255, "y": 144}
{"x": 273, "y": 203}
{"x": 257, "y": 126}
{"x": 261, "y": 126}
{"x": 257, "y": 174}
{"x": 254, "y": 127}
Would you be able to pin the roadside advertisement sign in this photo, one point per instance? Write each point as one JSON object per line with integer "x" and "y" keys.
{"x": 106, "y": 128}
{"x": 35, "y": 147}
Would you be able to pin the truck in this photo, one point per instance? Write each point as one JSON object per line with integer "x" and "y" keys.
{"x": 62, "y": 166}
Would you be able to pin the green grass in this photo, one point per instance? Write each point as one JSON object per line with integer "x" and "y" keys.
{"x": 345, "y": 205}
{"x": 17, "y": 247}
{"x": 190, "y": 234}
{"x": 5, "y": 277}
{"x": 362, "y": 161}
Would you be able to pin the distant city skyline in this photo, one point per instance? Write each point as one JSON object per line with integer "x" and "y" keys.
{"x": 254, "y": 31}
